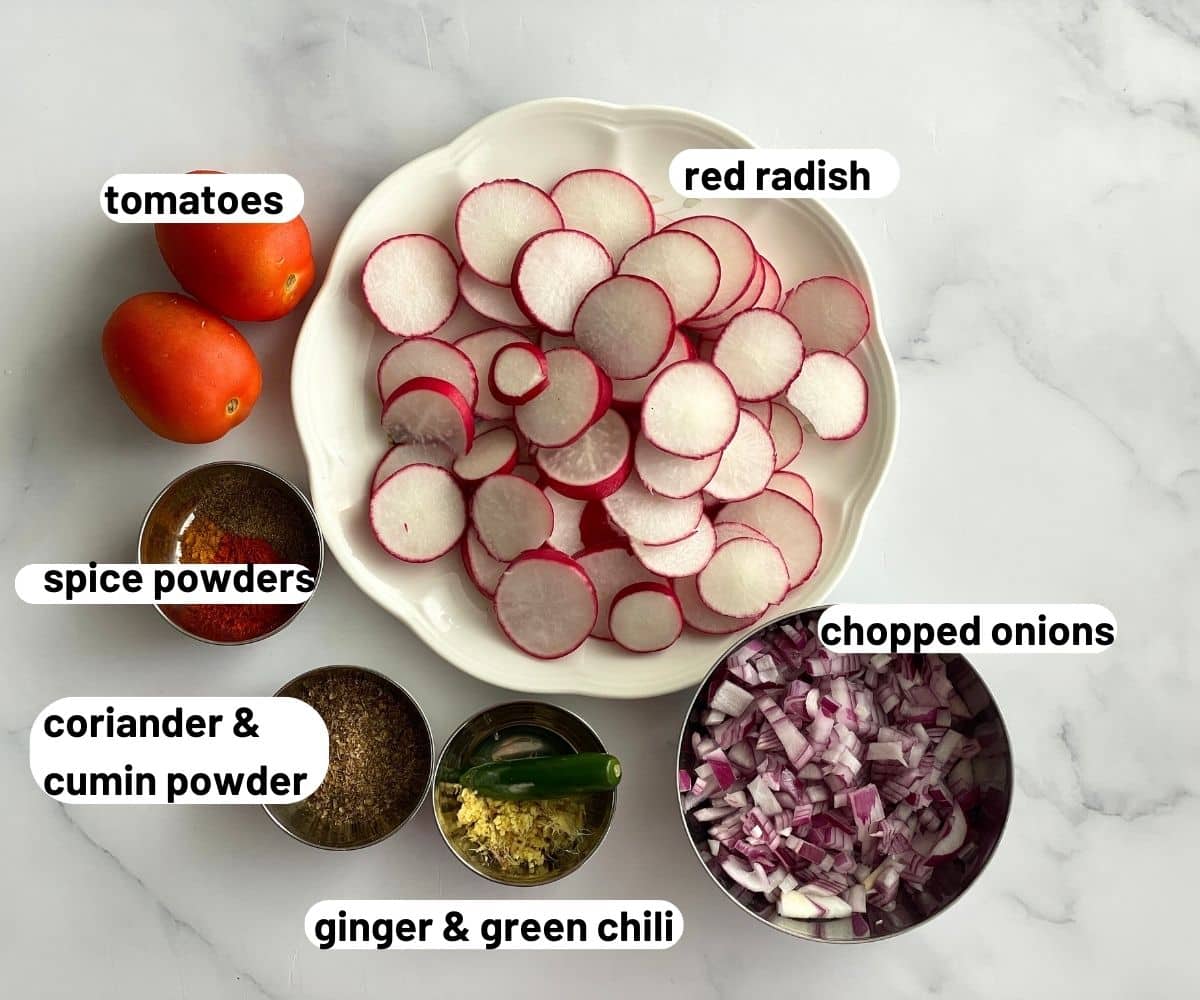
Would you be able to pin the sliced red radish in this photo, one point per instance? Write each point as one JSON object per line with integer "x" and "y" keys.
{"x": 495, "y": 302}
{"x": 795, "y": 486}
{"x": 567, "y": 536}
{"x": 495, "y": 220}
{"x": 427, "y": 356}
{"x": 711, "y": 326}
{"x": 576, "y": 396}
{"x": 593, "y": 466}
{"x": 492, "y": 453}
{"x": 788, "y": 523}
{"x": 787, "y": 434}
{"x": 760, "y": 352}
{"x": 747, "y": 462}
{"x": 596, "y": 528}
{"x": 554, "y": 271}
{"x": 626, "y": 325}
{"x": 546, "y": 604}
{"x": 690, "y": 410}
{"x": 608, "y": 205}
{"x": 482, "y": 347}
{"x": 735, "y": 251}
{"x": 511, "y": 516}
{"x": 681, "y": 264}
{"x": 772, "y": 287}
{"x": 686, "y": 557}
{"x": 630, "y": 392}
{"x": 518, "y": 373}
{"x": 760, "y": 410}
{"x": 671, "y": 475}
{"x": 832, "y": 394}
{"x": 702, "y": 618}
{"x": 411, "y": 284}
{"x": 429, "y": 409}
{"x": 481, "y": 567}
{"x": 645, "y": 617}
{"x": 728, "y": 530}
{"x": 550, "y": 341}
{"x": 418, "y": 513}
{"x": 652, "y": 519}
{"x": 744, "y": 577}
{"x": 611, "y": 570}
{"x": 830, "y": 313}
{"x": 400, "y": 455}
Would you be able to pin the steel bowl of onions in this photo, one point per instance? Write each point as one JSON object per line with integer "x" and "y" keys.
{"x": 842, "y": 798}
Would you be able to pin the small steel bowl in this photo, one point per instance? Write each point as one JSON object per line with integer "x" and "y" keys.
{"x": 297, "y": 822}
{"x": 469, "y": 745}
{"x": 238, "y": 496}
{"x": 949, "y": 881}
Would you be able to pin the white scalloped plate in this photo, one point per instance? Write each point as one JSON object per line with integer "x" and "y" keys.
{"x": 337, "y": 409}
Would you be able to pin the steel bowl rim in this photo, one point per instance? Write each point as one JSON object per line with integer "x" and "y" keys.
{"x": 315, "y": 524}
{"x": 396, "y": 685}
{"x": 683, "y": 735}
{"x": 437, "y": 816}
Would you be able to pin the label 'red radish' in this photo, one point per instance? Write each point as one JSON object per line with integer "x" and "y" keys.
{"x": 645, "y": 617}
{"x": 426, "y": 356}
{"x": 690, "y": 410}
{"x": 832, "y": 394}
{"x": 554, "y": 271}
{"x": 681, "y": 264}
{"x": 577, "y": 394}
{"x": 418, "y": 513}
{"x": 607, "y": 205}
{"x": 546, "y": 604}
{"x": 411, "y": 284}
{"x": 518, "y": 373}
{"x": 429, "y": 409}
{"x": 830, "y": 313}
{"x": 626, "y": 325}
{"x": 494, "y": 220}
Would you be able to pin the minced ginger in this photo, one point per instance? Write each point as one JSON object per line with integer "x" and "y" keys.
{"x": 521, "y": 836}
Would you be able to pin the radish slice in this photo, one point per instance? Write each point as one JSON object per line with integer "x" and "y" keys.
{"x": 554, "y": 271}
{"x": 711, "y": 326}
{"x": 596, "y": 528}
{"x": 482, "y": 347}
{"x": 681, "y": 264}
{"x": 761, "y": 353}
{"x": 546, "y": 604}
{"x": 795, "y": 486}
{"x": 652, "y": 519}
{"x": 495, "y": 220}
{"x": 631, "y": 392}
{"x": 830, "y": 313}
{"x": 518, "y": 373}
{"x": 832, "y": 394}
{"x": 607, "y": 205}
{"x": 702, "y": 618}
{"x": 787, "y": 434}
{"x": 744, "y": 577}
{"x": 645, "y": 617}
{"x": 626, "y": 325}
{"x": 418, "y": 513}
{"x": 735, "y": 251}
{"x": 426, "y": 356}
{"x": 400, "y": 455}
{"x": 495, "y": 302}
{"x": 728, "y": 530}
{"x": 511, "y": 516}
{"x": 593, "y": 466}
{"x": 671, "y": 475}
{"x": 567, "y": 536}
{"x": 686, "y": 557}
{"x": 690, "y": 410}
{"x": 576, "y": 396}
{"x": 411, "y": 284}
{"x": 772, "y": 287}
{"x": 484, "y": 571}
{"x": 788, "y": 523}
{"x": 760, "y": 410}
{"x": 611, "y": 570}
{"x": 492, "y": 453}
{"x": 747, "y": 462}
{"x": 429, "y": 409}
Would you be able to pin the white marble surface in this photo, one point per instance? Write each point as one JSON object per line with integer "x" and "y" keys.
{"x": 1037, "y": 268}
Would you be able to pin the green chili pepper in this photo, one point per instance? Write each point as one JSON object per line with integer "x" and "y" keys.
{"x": 554, "y": 777}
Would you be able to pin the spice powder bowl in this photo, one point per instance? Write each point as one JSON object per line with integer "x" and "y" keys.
{"x": 372, "y": 720}
{"x": 231, "y": 512}
{"x": 508, "y": 731}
